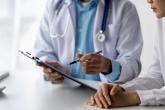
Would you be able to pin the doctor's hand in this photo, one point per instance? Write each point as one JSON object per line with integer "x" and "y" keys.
{"x": 109, "y": 96}
{"x": 51, "y": 75}
{"x": 95, "y": 63}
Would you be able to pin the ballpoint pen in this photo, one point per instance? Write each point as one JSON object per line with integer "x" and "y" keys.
{"x": 78, "y": 60}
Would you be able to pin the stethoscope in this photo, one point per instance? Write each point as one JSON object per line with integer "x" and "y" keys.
{"x": 100, "y": 36}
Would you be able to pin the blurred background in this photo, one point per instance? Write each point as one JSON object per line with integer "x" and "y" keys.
{"x": 19, "y": 23}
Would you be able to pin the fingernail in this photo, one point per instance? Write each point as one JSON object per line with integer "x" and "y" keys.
{"x": 89, "y": 103}
{"x": 92, "y": 102}
{"x": 112, "y": 93}
{"x": 109, "y": 102}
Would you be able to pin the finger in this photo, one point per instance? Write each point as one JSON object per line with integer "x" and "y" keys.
{"x": 55, "y": 77}
{"x": 91, "y": 102}
{"x": 105, "y": 90}
{"x": 55, "y": 81}
{"x": 91, "y": 66}
{"x": 46, "y": 73}
{"x": 86, "y": 71}
{"x": 92, "y": 69}
{"x": 54, "y": 64}
{"x": 48, "y": 76}
{"x": 91, "y": 58}
{"x": 96, "y": 68}
{"x": 85, "y": 57}
{"x": 98, "y": 102}
{"x": 96, "y": 57}
{"x": 116, "y": 89}
{"x": 102, "y": 98}
{"x": 47, "y": 70}
{"x": 92, "y": 63}
{"x": 82, "y": 63}
{"x": 52, "y": 75}
{"x": 79, "y": 55}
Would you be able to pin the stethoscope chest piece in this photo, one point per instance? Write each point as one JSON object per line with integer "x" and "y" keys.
{"x": 100, "y": 37}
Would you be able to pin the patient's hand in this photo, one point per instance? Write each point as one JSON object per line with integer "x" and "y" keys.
{"x": 108, "y": 96}
{"x": 51, "y": 75}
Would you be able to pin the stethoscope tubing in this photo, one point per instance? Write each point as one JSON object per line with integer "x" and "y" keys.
{"x": 101, "y": 33}
{"x": 105, "y": 15}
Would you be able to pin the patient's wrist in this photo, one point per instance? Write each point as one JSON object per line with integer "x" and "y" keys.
{"x": 135, "y": 98}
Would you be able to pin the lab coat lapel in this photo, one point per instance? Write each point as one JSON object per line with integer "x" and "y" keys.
{"x": 97, "y": 25}
{"x": 72, "y": 27}
{"x": 71, "y": 6}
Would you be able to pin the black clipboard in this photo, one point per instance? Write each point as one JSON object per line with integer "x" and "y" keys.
{"x": 38, "y": 61}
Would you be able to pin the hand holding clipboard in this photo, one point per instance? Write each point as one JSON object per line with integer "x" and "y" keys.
{"x": 47, "y": 65}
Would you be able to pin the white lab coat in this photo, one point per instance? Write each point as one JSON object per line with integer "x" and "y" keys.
{"x": 123, "y": 42}
{"x": 151, "y": 87}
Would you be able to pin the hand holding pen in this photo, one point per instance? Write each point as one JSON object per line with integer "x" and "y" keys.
{"x": 80, "y": 55}
{"x": 94, "y": 63}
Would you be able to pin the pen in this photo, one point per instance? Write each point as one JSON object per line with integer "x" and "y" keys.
{"x": 4, "y": 75}
{"x": 78, "y": 60}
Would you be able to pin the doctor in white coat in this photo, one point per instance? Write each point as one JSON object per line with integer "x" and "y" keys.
{"x": 75, "y": 26}
{"x": 147, "y": 90}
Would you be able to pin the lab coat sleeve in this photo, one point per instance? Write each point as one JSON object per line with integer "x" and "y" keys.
{"x": 129, "y": 45}
{"x": 150, "y": 88}
{"x": 151, "y": 91}
{"x": 43, "y": 47}
{"x": 152, "y": 97}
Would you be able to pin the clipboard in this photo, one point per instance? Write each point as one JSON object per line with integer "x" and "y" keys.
{"x": 2, "y": 88}
{"x": 38, "y": 61}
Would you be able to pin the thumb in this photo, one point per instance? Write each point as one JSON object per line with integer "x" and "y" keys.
{"x": 79, "y": 55}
